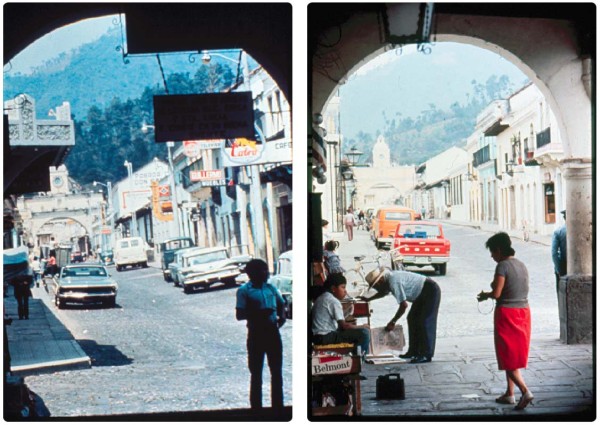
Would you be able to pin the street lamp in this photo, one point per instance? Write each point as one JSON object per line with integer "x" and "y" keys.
{"x": 129, "y": 167}
{"x": 206, "y": 58}
{"x": 353, "y": 156}
{"x": 145, "y": 129}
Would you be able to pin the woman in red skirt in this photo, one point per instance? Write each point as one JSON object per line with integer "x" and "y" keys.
{"x": 512, "y": 318}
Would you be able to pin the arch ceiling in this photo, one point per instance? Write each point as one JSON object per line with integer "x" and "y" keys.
{"x": 343, "y": 38}
{"x": 263, "y": 30}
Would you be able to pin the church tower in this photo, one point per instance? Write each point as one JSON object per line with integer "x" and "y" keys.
{"x": 381, "y": 154}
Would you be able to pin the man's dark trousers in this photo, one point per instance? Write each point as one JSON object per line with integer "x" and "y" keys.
{"x": 261, "y": 341}
{"x": 422, "y": 320}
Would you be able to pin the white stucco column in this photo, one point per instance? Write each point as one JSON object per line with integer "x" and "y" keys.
{"x": 578, "y": 195}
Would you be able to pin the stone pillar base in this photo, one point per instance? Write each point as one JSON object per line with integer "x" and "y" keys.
{"x": 575, "y": 309}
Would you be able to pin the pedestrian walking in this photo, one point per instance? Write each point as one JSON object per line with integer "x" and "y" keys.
{"x": 51, "y": 268}
{"x": 425, "y": 296}
{"x": 349, "y": 223}
{"x": 361, "y": 220}
{"x": 262, "y": 306}
{"x": 22, "y": 292}
{"x": 328, "y": 323}
{"x": 332, "y": 260}
{"x": 512, "y": 318}
{"x": 37, "y": 270}
{"x": 559, "y": 251}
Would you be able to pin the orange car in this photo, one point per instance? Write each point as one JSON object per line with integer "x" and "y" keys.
{"x": 385, "y": 221}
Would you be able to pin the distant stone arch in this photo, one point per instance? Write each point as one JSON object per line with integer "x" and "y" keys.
{"x": 40, "y": 219}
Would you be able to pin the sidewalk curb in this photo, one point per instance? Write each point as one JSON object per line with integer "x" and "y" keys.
{"x": 515, "y": 234}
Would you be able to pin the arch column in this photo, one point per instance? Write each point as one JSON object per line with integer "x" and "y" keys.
{"x": 575, "y": 293}
{"x": 578, "y": 191}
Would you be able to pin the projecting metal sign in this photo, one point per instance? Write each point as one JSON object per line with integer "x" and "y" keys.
{"x": 203, "y": 116}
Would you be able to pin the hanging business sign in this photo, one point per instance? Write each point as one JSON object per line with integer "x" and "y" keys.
{"x": 191, "y": 148}
{"x": 244, "y": 153}
{"x": 203, "y": 116}
{"x": 164, "y": 191}
{"x": 205, "y": 175}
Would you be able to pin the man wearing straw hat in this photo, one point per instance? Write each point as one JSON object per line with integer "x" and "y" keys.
{"x": 424, "y": 294}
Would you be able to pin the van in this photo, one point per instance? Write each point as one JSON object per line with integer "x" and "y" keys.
{"x": 130, "y": 252}
{"x": 386, "y": 220}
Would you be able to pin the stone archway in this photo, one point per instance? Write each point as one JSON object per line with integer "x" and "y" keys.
{"x": 550, "y": 51}
{"x": 39, "y": 220}
{"x": 554, "y": 45}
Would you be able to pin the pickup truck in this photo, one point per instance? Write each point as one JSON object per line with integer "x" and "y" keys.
{"x": 420, "y": 243}
{"x": 168, "y": 249}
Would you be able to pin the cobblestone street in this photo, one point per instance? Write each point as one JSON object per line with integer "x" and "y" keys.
{"x": 158, "y": 350}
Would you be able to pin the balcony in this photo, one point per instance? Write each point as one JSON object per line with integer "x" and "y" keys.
{"x": 543, "y": 138}
{"x": 482, "y": 156}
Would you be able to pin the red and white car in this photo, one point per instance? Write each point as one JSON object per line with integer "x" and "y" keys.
{"x": 420, "y": 243}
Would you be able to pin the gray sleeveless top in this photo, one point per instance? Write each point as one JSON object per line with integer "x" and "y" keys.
{"x": 516, "y": 284}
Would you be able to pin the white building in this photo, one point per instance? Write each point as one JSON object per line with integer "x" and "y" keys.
{"x": 529, "y": 152}
{"x": 441, "y": 180}
{"x": 131, "y": 201}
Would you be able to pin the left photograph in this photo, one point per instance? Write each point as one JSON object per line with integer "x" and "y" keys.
{"x": 147, "y": 237}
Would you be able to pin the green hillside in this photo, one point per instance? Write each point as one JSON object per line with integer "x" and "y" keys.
{"x": 110, "y": 100}
{"x": 414, "y": 140}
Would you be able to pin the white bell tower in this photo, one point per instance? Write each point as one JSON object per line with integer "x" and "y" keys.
{"x": 381, "y": 154}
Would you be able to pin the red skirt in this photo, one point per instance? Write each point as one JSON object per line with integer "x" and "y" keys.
{"x": 512, "y": 333}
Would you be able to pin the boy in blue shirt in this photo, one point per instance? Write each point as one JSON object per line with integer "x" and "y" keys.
{"x": 262, "y": 306}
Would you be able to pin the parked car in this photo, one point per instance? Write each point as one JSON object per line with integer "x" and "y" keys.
{"x": 84, "y": 283}
{"x": 420, "y": 243}
{"x": 168, "y": 249}
{"x": 106, "y": 257}
{"x": 130, "y": 252}
{"x": 385, "y": 220}
{"x": 201, "y": 268}
{"x": 282, "y": 280}
{"x": 177, "y": 263}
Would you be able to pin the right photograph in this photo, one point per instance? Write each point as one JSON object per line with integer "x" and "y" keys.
{"x": 451, "y": 211}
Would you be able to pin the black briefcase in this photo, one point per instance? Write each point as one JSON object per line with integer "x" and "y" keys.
{"x": 390, "y": 387}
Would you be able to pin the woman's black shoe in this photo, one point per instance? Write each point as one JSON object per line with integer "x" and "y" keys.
{"x": 406, "y": 356}
{"x": 420, "y": 359}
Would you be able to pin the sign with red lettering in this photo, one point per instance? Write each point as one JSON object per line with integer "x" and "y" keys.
{"x": 206, "y": 175}
{"x": 191, "y": 148}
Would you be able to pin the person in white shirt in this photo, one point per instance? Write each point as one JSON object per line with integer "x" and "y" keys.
{"x": 424, "y": 294}
{"x": 328, "y": 323}
{"x": 349, "y": 223}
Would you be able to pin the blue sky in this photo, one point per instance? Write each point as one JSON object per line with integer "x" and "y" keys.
{"x": 407, "y": 83}
{"x": 58, "y": 41}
